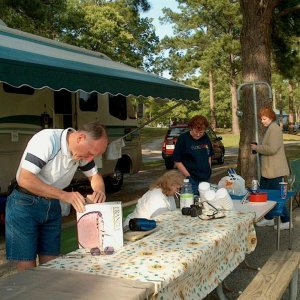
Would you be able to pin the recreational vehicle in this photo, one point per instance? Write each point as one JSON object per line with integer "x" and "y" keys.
{"x": 49, "y": 84}
{"x": 24, "y": 111}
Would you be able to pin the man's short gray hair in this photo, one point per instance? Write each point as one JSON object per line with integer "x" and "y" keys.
{"x": 95, "y": 130}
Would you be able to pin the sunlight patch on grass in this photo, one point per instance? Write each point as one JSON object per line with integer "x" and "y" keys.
{"x": 291, "y": 137}
{"x": 230, "y": 140}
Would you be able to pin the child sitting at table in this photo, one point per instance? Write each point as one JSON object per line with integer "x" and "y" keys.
{"x": 159, "y": 198}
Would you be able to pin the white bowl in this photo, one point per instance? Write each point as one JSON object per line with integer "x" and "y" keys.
{"x": 223, "y": 198}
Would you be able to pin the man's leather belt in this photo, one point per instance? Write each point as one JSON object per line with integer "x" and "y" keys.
{"x": 24, "y": 191}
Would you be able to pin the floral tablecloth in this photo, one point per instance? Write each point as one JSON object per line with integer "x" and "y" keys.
{"x": 186, "y": 258}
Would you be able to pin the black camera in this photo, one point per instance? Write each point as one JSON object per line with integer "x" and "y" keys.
{"x": 254, "y": 151}
{"x": 193, "y": 211}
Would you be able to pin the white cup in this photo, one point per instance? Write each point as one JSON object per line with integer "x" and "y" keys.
{"x": 210, "y": 195}
{"x": 223, "y": 199}
{"x": 203, "y": 187}
{"x": 210, "y": 198}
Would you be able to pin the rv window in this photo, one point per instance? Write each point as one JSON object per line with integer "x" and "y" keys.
{"x": 118, "y": 107}
{"x": 63, "y": 102}
{"x": 88, "y": 102}
{"x": 25, "y": 90}
{"x": 131, "y": 111}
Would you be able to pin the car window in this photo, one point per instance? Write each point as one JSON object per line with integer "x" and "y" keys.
{"x": 175, "y": 132}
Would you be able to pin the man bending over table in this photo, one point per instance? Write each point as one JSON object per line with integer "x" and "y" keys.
{"x": 33, "y": 211}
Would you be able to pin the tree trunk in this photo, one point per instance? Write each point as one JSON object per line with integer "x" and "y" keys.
{"x": 274, "y": 99}
{"x": 280, "y": 106}
{"x": 213, "y": 119}
{"x": 256, "y": 66}
{"x": 234, "y": 118}
{"x": 291, "y": 107}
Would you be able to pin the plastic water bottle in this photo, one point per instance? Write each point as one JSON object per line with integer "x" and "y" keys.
{"x": 186, "y": 194}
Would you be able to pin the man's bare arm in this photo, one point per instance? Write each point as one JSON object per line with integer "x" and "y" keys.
{"x": 34, "y": 185}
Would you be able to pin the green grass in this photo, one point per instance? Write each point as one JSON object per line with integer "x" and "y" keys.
{"x": 69, "y": 241}
{"x": 232, "y": 140}
{"x": 127, "y": 210}
{"x": 291, "y": 137}
{"x": 148, "y": 134}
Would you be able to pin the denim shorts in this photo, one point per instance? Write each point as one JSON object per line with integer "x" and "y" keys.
{"x": 32, "y": 226}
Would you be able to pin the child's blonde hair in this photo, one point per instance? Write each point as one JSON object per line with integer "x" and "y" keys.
{"x": 167, "y": 180}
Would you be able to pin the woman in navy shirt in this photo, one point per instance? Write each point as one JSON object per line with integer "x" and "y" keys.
{"x": 193, "y": 152}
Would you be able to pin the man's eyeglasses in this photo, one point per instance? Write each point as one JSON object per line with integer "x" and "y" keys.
{"x": 107, "y": 251}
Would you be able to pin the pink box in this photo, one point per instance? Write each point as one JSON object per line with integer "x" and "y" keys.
{"x": 100, "y": 226}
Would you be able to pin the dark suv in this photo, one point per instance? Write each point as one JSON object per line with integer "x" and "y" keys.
{"x": 170, "y": 140}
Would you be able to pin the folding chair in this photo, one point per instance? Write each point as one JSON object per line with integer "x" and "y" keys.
{"x": 295, "y": 169}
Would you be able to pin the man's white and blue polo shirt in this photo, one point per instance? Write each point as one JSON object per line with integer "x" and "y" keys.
{"x": 47, "y": 155}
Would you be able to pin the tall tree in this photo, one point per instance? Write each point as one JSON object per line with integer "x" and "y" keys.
{"x": 206, "y": 39}
{"x": 280, "y": 94}
{"x": 286, "y": 53}
{"x": 35, "y": 16}
{"x": 259, "y": 19}
{"x": 213, "y": 119}
{"x": 114, "y": 28}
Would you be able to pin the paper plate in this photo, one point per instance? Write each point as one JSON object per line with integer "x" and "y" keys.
{"x": 137, "y": 235}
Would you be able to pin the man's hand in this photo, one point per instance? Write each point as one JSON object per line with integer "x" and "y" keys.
{"x": 76, "y": 200}
{"x": 96, "y": 197}
{"x": 97, "y": 184}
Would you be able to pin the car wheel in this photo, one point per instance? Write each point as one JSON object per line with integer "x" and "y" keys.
{"x": 169, "y": 164}
{"x": 114, "y": 182}
{"x": 222, "y": 158}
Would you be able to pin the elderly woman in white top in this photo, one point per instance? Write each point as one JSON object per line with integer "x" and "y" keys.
{"x": 159, "y": 198}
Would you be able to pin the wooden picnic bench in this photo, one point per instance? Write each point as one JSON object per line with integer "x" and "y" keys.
{"x": 272, "y": 280}
{"x": 47, "y": 284}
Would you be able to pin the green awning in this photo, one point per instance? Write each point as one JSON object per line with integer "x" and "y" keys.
{"x": 27, "y": 59}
